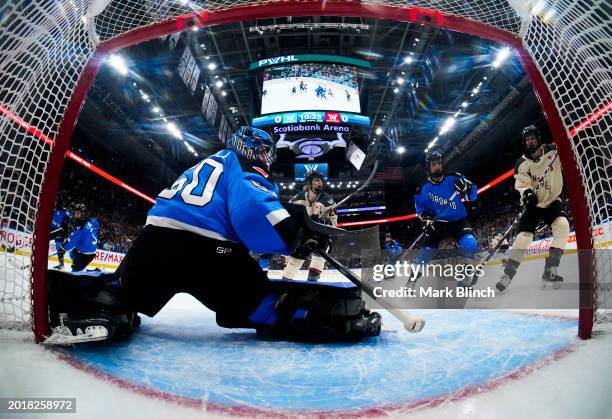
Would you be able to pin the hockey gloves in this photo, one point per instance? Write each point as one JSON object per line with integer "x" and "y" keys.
{"x": 530, "y": 198}
{"x": 429, "y": 220}
{"x": 462, "y": 185}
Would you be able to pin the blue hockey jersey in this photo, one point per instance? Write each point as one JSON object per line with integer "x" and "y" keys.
{"x": 60, "y": 218}
{"x": 85, "y": 239}
{"x": 434, "y": 196}
{"x": 393, "y": 248}
{"x": 221, "y": 199}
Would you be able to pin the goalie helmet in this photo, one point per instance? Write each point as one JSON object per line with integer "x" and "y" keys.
{"x": 253, "y": 144}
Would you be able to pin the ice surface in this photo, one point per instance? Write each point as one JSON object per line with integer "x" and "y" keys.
{"x": 466, "y": 363}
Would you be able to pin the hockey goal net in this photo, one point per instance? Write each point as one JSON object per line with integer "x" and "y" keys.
{"x": 50, "y": 53}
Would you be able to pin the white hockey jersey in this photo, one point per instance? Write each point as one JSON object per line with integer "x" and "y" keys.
{"x": 316, "y": 205}
{"x": 544, "y": 178}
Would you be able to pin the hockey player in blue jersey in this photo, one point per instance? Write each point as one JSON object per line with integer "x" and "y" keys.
{"x": 83, "y": 242}
{"x": 61, "y": 227}
{"x": 440, "y": 217}
{"x": 394, "y": 251}
{"x": 213, "y": 215}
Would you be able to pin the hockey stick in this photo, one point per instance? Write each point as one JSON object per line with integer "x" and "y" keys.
{"x": 27, "y": 265}
{"x": 411, "y": 323}
{"x": 418, "y": 239}
{"x": 359, "y": 189}
{"x": 506, "y": 234}
{"x": 57, "y": 230}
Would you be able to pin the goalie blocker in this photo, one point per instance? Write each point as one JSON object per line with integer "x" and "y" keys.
{"x": 227, "y": 281}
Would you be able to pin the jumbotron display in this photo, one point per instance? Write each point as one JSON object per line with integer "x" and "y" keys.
{"x": 312, "y": 86}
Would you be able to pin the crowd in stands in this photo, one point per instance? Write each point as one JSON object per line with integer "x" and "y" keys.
{"x": 120, "y": 214}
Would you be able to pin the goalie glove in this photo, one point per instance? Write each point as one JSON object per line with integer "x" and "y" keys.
{"x": 530, "y": 198}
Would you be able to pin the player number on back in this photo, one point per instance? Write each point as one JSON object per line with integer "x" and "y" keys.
{"x": 187, "y": 194}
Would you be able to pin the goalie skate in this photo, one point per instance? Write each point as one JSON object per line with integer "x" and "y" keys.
{"x": 71, "y": 331}
{"x": 62, "y": 336}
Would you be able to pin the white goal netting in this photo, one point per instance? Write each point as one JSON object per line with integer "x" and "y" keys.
{"x": 45, "y": 47}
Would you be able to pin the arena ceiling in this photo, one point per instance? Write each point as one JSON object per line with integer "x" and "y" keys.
{"x": 421, "y": 76}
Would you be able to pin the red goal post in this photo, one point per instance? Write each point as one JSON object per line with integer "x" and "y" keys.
{"x": 50, "y": 53}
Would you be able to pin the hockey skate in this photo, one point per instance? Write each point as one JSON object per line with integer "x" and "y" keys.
{"x": 389, "y": 277}
{"x": 503, "y": 283}
{"x": 412, "y": 279}
{"x": 72, "y": 331}
{"x": 59, "y": 266}
{"x": 313, "y": 276}
{"x": 551, "y": 279}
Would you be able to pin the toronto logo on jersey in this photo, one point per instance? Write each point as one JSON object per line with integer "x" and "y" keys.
{"x": 442, "y": 201}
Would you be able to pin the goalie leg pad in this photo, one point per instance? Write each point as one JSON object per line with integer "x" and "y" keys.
{"x": 78, "y": 301}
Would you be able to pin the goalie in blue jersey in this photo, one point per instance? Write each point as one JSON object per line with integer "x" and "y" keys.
{"x": 442, "y": 216}
{"x": 212, "y": 216}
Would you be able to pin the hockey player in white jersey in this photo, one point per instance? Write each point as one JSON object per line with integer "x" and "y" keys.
{"x": 213, "y": 215}
{"x": 539, "y": 181}
{"x": 319, "y": 206}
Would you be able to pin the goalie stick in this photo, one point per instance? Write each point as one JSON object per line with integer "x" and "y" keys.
{"x": 411, "y": 323}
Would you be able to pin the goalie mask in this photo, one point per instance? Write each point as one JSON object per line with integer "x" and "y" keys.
{"x": 253, "y": 144}
{"x": 314, "y": 180}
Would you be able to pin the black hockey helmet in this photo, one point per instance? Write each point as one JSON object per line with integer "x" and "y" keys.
{"x": 79, "y": 210}
{"x": 313, "y": 174}
{"x": 434, "y": 156}
{"x": 527, "y": 131}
